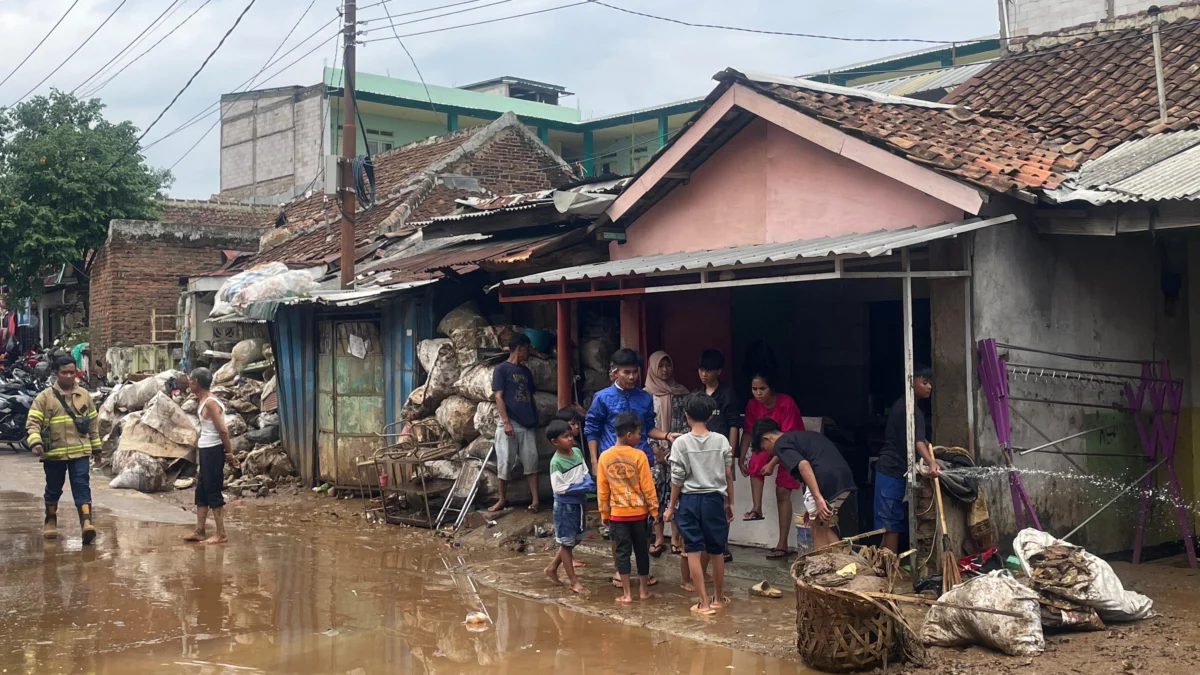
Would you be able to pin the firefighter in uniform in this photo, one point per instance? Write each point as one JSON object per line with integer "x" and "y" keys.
{"x": 62, "y": 430}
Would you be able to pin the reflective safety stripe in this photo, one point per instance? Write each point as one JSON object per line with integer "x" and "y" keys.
{"x": 96, "y": 442}
{"x": 61, "y": 419}
{"x": 34, "y": 438}
{"x": 37, "y": 414}
{"x": 92, "y": 414}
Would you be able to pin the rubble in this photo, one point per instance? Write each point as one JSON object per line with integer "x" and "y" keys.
{"x": 149, "y": 426}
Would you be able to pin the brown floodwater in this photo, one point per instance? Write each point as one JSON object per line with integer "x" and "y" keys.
{"x": 293, "y": 597}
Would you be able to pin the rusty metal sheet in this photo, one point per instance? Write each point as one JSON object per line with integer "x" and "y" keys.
{"x": 349, "y": 449}
{"x": 326, "y": 467}
{"x": 359, "y": 415}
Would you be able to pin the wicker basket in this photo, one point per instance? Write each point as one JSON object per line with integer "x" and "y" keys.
{"x": 840, "y": 631}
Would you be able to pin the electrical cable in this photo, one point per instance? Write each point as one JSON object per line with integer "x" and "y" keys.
{"x": 417, "y": 11}
{"x": 250, "y": 84}
{"x": 487, "y": 21}
{"x": 133, "y": 43}
{"x": 410, "y": 56}
{"x": 40, "y": 43}
{"x": 72, "y": 54}
{"x": 96, "y": 90}
{"x": 430, "y": 18}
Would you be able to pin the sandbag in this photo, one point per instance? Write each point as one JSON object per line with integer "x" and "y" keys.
{"x": 267, "y": 419}
{"x": 480, "y": 447}
{"x": 475, "y": 383}
{"x": 465, "y": 315}
{"x": 240, "y": 445}
{"x": 108, "y": 417}
{"x": 268, "y": 434}
{"x": 270, "y": 460}
{"x": 190, "y": 405}
{"x": 596, "y": 353}
{"x": 140, "y": 472}
{"x": 545, "y": 374}
{"x": 487, "y": 419}
{"x": 138, "y": 437}
{"x": 418, "y": 406}
{"x": 595, "y": 380}
{"x": 247, "y": 352}
{"x": 948, "y": 627}
{"x": 474, "y": 344}
{"x": 225, "y": 374}
{"x": 167, "y": 418}
{"x": 235, "y": 424}
{"x": 457, "y": 416}
{"x": 135, "y": 395}
{"x": 1102, "y": 592}
{"x": 440, "y": 360}
{"x": 547, "y": 406}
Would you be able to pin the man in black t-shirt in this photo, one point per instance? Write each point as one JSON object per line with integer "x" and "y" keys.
{"x": 512, "y": 387}
{"x": 890, "y": 511}
{"x": 817, "y": 464}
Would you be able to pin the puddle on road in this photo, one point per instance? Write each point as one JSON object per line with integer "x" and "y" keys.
{"x": 299, "y": 600}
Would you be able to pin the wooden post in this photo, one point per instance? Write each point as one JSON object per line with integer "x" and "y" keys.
{"x": 910, "y": 404}
{"x": 564, "y": 354}
{"x": 631, "y": 323}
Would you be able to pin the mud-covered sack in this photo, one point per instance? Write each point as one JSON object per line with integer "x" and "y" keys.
{"x": 168, "y": 419}
{"x": 475, "y": 383}
{"x": 225, "y": 374}
{"x": 268, "y": 434}
{"x": 440, "y": 360}
{"x": 474, "y": 345}
{"x": 596, "y": 353}
{"x": 235, "y": 424}
{"x": 107, "y": 417}
{"x": 457, "y": 416}
{"x": 135, "y": 395}
{"x": 270, "y": 460}
{"x": 1103, "y": 592}
{"x": 545, "y": 373}
{"x": 487, "y": 420}
{"x": 950, "y": 627}
{"x": 480, "y": 447}
{"x": 138, "y": 471}
{"x": 418, "y": 406}
{"x": 546, "y": 405}
{"x": 466, "y": 315}
{"x": 247, "y": 352}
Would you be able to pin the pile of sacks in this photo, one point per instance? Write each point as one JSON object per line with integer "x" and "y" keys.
{"x": 149, "y": 425}
{"x": 455, "y": 407}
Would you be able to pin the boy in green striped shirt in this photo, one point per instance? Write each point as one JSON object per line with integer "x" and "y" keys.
{"x": 571, "y": 481}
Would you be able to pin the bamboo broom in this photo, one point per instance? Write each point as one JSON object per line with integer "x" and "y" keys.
{"x": 950, "y": 577}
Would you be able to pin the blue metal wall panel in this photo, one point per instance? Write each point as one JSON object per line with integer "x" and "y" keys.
{"x": 293, "y": 334}
{"x": 406, "y": 321}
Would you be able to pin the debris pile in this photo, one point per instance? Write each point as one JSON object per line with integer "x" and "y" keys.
{"x": 844, "y": 570}
{"x": 149, "y": 426}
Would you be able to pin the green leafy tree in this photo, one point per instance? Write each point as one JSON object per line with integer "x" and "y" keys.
{"x": 65, "y": 172}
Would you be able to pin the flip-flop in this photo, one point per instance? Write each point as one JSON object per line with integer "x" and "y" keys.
{"x": 724, "y": 601}
{"x": 752, "y": 515}
{"x": 764, "y": 589}
{"x": 777, "y": 553}
{"x": 728, "y": 556}
{"x": 675, "y": 550}
{"x": 702, "y": 612}
{"x": 657, "y": 551}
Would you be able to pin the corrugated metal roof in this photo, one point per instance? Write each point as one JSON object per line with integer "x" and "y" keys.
{"x": 258, "y": 312}
{"x": 944, "y": 78}
{"x": 1155, "y": 168}
{"x": 426, "y": 259}
{"x": 869, "y": 245}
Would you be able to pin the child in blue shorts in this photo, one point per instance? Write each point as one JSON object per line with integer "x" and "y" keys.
{"x": 572, "y": 482}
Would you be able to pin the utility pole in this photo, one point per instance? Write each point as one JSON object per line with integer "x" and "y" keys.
{"x": 349, "y": 146}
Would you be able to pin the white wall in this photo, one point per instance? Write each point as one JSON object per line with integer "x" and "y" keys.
{"x": 272, "y": 144}
{"x": 1031, "y": 17}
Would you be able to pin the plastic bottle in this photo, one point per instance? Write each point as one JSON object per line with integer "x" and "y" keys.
{"x": 804, "y": 540}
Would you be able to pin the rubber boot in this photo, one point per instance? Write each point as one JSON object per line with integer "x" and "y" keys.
{"x": 85, "y": 523}
{"x": 50, "y": 529}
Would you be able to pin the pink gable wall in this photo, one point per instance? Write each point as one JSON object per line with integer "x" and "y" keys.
{"x": 769, "y": 185}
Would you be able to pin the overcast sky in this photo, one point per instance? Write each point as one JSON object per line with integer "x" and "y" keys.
{"x": 613, "y": 61}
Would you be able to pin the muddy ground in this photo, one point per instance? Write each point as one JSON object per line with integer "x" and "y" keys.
{"x": 308, "y": 585}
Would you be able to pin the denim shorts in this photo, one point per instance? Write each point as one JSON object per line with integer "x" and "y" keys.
{"x": 701, "y": 520}
{"x": 568, "y": 523}
{"x": 890, "y": 512}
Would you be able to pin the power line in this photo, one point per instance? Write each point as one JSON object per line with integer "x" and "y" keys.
{"x": 134, "y": 45}
{"x": 415, "y": 11}
{"x": 481, "y": 23}
{"x": 127, "y": 47}
{"x": 39, "y": 44}
{"x": 72, "y": 54}
{"x": 96, "y": 90}
{"x": 410, "y": 56}
{"x": 429, "y": 18}
{"x": 251, "y": 83}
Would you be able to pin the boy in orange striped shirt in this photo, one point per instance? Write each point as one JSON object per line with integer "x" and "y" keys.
{"x": 625, "y": 490}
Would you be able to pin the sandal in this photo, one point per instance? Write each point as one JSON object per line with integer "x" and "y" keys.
{"x": 657, "y": 550}
{"x": 702, "y": 612}
{"x": 777, "y": 553}
{"x": 675, "y": 550}
{"x": 728, "y": 556}
{"x": 764, "y": 589}
{"x": 752, "y": 515}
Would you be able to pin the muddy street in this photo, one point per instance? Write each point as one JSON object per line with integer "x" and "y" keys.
{"x": 287, "y": 596}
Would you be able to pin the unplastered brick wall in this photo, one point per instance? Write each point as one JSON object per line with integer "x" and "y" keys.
{"x": 512, "y": 162}
{"x": 139, "y": 269}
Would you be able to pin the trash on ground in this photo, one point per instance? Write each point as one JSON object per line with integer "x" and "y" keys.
{"x": 1068, "y": 572}
{"x": 953, "y": 626}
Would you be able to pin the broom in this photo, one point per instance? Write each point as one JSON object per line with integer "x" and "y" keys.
{"x": 950, "y": 577}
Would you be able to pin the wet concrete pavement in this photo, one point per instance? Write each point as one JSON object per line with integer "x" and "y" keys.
{"x": 290, "y": 596}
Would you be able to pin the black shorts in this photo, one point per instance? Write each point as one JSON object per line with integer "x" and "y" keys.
{"x": 210, "y": 478}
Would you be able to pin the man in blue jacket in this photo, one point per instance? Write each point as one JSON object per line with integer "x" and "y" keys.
{"x": 624, "y": 394}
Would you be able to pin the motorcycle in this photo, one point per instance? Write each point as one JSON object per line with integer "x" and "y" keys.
{"x": 17, "y": 391}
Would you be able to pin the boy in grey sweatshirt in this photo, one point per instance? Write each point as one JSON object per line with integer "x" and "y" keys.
{"x": 702, "y": 487}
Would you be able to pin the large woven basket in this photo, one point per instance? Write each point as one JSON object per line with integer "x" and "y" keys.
{"x": 840, "y": 631}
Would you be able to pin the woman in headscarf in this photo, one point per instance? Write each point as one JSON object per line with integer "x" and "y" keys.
{"x": 668, "y": 414}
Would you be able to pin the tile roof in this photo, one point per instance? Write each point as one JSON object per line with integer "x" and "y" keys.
{"x": 990, "y": 152}
{"x": 214, "y": 212}
{"x": 1087, "y": 94}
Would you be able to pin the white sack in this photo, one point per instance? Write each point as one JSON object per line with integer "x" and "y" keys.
{"x": 1105, "y": 593}
{"x": 949, "y": 627}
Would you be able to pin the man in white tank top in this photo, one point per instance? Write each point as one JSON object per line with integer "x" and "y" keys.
{"x": 214, "y": 450}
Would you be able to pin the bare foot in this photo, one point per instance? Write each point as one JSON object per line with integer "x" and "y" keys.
{"x": 646, "y": 595}
{"x": 533, "y": 508}
{"x": 688, "y": 586}
{"x": 624, "y": 599}
{"x": 720, "y": 602}
{"x": 579, "y": 589}
{"x": 198, "y": 535}
{"x": 216, "y": 539}
{"x": 553, "y": 574}
{"x": 578, "y": 563}
{"x": 497, "y": 507}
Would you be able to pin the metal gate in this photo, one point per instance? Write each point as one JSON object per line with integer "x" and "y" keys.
{"x": 350, "y": 397}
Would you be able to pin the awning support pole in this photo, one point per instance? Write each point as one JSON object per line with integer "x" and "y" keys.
{"x": 564, "y": 353}
{"x": 909, "y": 403}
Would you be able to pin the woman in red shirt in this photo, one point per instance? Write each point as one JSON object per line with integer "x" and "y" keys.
{"x": 757, "y": 463}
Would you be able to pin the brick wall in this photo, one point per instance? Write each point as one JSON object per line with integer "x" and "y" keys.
{"x": 511, "y": 163}
{"x": 1032, "y": 17}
